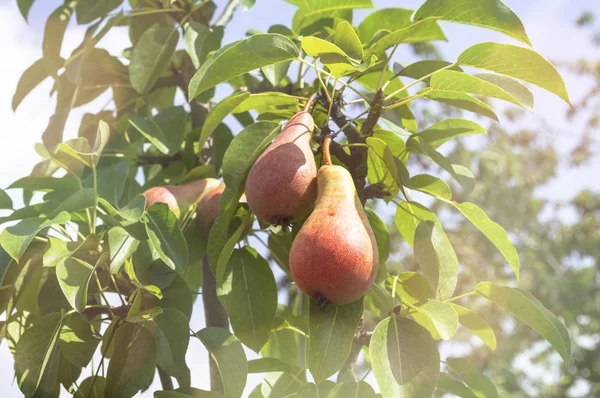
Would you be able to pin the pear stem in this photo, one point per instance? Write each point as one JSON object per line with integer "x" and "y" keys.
{"x": 311, "y": 101}
{"x": 326, "y": 151}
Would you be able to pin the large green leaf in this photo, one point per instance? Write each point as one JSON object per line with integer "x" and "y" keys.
{"x": 481, "y": 386}
{"x": 411, "y": 287}
{"x": 268, "y": 101}
{"x": 249, "y": 294}
{"x": 491, "y": 14}
{"x": 436, "y": 258}
{"x": 37, "y": 356}
{"x": 510, "y": 90}
{"x": 77, "y": 341}
{"x": 241, "y": 57}
{"x": 493, "y": 231}
{"x": 171, "y": 331}
{"x": 347, "y": 39}
{"x": 173, "y": 122}
{"x": 387, "y": 19}
{"x": 89, "y": 10}
{"x": 34, "y": 75}
{"x": 450, "y": 385}
{"x": 166, "y": 238}
{"x": 518, "y": 62}
{"x": 352, "y": 389}
{"x": 92, "y": 387}
{"x": 122, "y": 246}
{"x": 74, "y": 276}
{"x": 226, "y": 350}
{"x": 445, "y": 130}
{"x": 421, "y": 69}
{"x": 331, "y": 336}
{"x": 151, "y": 55}
{"x": 460, "y": 100}
{"x": 476, "y": 325}
{"x": 437, "y": 317}
{"x": 45, "y": 184}
{"x": 16, "y": 239}
{"x": 431, "y": 185}
{"x": 425, "y": 30}
{"x": 530, "y": 311}
{"x": 404, "y": 357}
{"x": 219, "y": 112}
{"x": 408, "y": 216}
{"x": 153, "y": 133}
{"x": 133, "y": 361}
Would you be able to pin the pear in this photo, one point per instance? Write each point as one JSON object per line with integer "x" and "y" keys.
{"x": 334, "y": 257}
{"x": 281, "y": 185}
{"x": 208, "y": 207}
{"x": 180, "y": 197}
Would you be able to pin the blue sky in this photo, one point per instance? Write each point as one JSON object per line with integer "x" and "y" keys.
{"x": 549, "y": 24}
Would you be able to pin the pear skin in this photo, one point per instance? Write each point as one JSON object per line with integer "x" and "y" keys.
{"x": 281, "y": 185}
{"x": 334, "y": 257}
{"x": 208, "y": 207}
{"x": 179, "y": 197}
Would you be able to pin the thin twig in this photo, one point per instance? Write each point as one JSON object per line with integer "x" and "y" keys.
{"x": 227, "y": 13}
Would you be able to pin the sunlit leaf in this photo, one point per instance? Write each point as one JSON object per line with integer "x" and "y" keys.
{"x": 476, "y": 325}
{"x": 480, "y": 384}
{"x": 437, "y": 317}
{"x": 408, "y": 216}
{"x": 165, "y": 237}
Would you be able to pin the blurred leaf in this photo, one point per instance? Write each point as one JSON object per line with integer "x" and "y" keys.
{"x": 518, "y": 62}
{"x": 92, "y": 387}
{"x": 450, "y": 385}
{"x": 45, "y": 184}
{"x": 55, "y": 28}
{"x": 437, "y": 317}
{"x": 33, "y": 76}
{"x": 219, "y": 112}
{"x": 5, "y": 201}
{"x": 77, "y": 343}
{"x": 229, "y": 356}
{"x": 266, "y": 365}
{"x": 87, "y": 11}
{"x": 151, "y": 55}
{"x": 408, "y": 216}
{"x": 530, "y": 311}
{"x": 247, "y": 4}
{"x": 491, "y": 14}
{"x": 257, "y": 51}
{"x": 431, "y": 185}
{"x": 37, "y": 356}
{"x": 165, "y": 237}
{"x": 331, "y": 336}
{"x": 249, "y": 294}
{"x": 280, "y": 245}
{"x": 476, "y": 325}
{"x": 24, "y": 7}
{"x": 348, "y": 389}
{"x": 132, "y": 363}
{"x": 477, "y": 381}
{"x": 436, "y": 258}
{"x": 16, "y": 239}
{"x": 317, "y": 6}
{"x": 121, "y": 246}
{"x": 404, "y": 357}
{"x": 494, "y": 232}
{"x": 154, "y": 134}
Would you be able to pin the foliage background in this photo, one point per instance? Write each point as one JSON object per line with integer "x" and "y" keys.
{"x": 546, "y": 160}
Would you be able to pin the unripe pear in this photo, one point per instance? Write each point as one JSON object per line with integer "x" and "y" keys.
{"x": 179, "y": 197}
{"x": 334, "y": 257}
{"x": 281, "y": 185}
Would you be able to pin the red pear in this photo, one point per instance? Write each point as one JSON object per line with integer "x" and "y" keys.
{"x": 334, "y": 257}
{"x": 281, "y": 185}
{"x": 180, "y": 197}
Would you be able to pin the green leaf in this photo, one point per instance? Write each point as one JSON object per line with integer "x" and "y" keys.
{"x": 151, "y": 55}
{"x": 491, "y": 14}
{"x": 133, "y": 361}
{"x": 331, "y": 336}
{"x": 121, "y": 246}
{"x": 396, "y": 168}
{"x": 173, "y": 122}
{"x": 88, "y": 10}
{"x": 112, "y": 177}
{"x": 54, "y": 31}
{"x": 226, "y": 350}
{"x": 411, "y": 287}
{"x": 431, "y": 185}
{"x": 387, "y": 19}
{"x": 408, "y": 216}
{"x": 171, "y": 331}
{"x": 5, "y": 201}
{"x": 444, "y": 130}
{"x": 477, "y": 381}
{"x": 420, "y": 69}
{"x": 379, "y": 300}
{"x": 154, "y": 134}
{"x": 16, "y": 239}
{"x": 276, "y": 73}
{"x": 227, "y": 250}
{"x": 92, "y": 387}
{"x": 247, "y": 4}
{"x": 166, "y": 238}
{"x": 33, "y": 76}
{"x": 219, "y": 112}
{"x": 450, "y": 385}
{"x": 24, "y": 7}
{"x": 347, "y": 39}
{"x": 352, "y": 389}
{"x": 510, "y": 91}
{"x": 268, "y": 101}
{"x": 436, "y": 258}
{"x": 316, "y": 47}
{"x": 439, "y": 318}
{"x": 382, "y": 236}
{"x": 530, "y": 311}
{"x": 425, "y": 30}
{"x": 77, "y": 342}
{"x": 249, "y": 294}
{"x": 318, "y": 6}
{"x": 404, "y": 357}
{"x": 74, "y": 276}
{"x": 494, "y": 232}
{"x": 266, "y": 365}
{"x": 37, "y": 356}
{"x": 256, "y": 51}
{"x": 476, "y": 325}
{"x": 45, "y": 184}
{"x": 132, "y": 211}
{"x": 518, "y": 62}
{"x": 460, "y": 100}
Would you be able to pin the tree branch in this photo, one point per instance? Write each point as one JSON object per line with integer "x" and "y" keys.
{"x": 165, "y": 379}
{"x": 361, "y": 338}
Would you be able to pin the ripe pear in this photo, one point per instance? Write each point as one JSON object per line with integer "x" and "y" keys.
{"x": 180, "y": 197}
{"x": 208, "y": 206}
{"x": 281, "y": 185}
{"x": 334, "y": 257}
